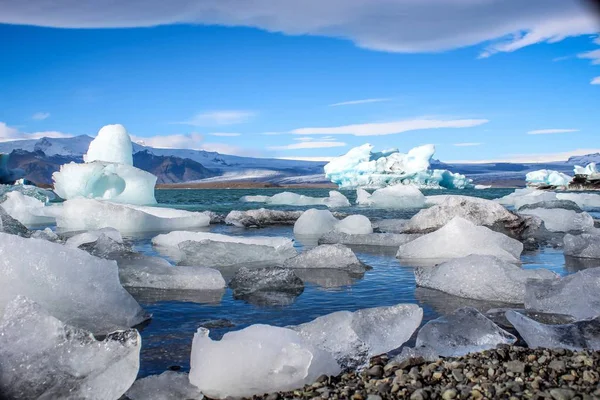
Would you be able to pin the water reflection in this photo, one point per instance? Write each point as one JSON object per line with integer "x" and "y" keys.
{"x": 328, "y": 277}
{"x": 151, "y": 296}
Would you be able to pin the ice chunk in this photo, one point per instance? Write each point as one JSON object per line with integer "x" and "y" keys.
{"x": 93, "y": 236}
{"x": 169, "y": 385}
{"x": 335, "y": 199}
{"x": 262, "y": 217}
{"x": 478, "y": 211}
{"x": 75, "y": 287}
{"x": 43, "y": 195}
{"x": 498, "y": 315}
{"x": 10, "y": 225}
{"x": 373, "y": 239}
{"x": 586, "y": 245}
{"x": 480, "y": 277}
{"x": 559, "y": 220}
{"x": 112, "y": 144}
{"x": 47, "y": 234}
{"x": 354, "y": 225}
{"x": 546, "y": 177}
{"x": 327, "y": 256}
{"x": 328, "y": 277}
{"x": 425, "y": 353}
{"x": 44, "y": 358}
{"x": 390, "y": 225}
{"x": 587, "y": 201}
{"x": 88, "y": 214}
{"x": 589, "y": 171}
{"x": 173, "y": 239}
{"x": 460, "y": 238}
{"x": 521, "y": 197}
{"x": 577, "y": 294}
{"x": 464, "y": 331}
{"x": 315, "y": 222}
{"x": 169, "y": 277}
{"x": 575, "y": 336}
{"x": 271, "y": 285}
{"x": 360, "y": 167}
{"x": 564, "y": 204}
{"x": 396, "y": 196}
{"x": 256, "y": 360}
{"x": 27, "y": 210}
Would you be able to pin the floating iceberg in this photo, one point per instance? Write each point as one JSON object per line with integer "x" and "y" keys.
{"x": 553, "y": 204}
{"x": 521, "y": 197}
{"x": 464, "y": 331}
{"x": 43, "y": 358}
{"x": 389, "y": 225}
{"x": 590, "y": 171}
{"x": 315, "y": 222}
{"x": 575, "y": 336}
{"x": 354, "y": 225}
{"x": 93, "y": 236}
{"x": 460, "y": 238}
{"x": 373, "y": 239}
{"x": 173, "y": 239}
{"x": 327, "y": 256}
{"x": 77, "y": 288}
{"x": 89, "y": 214}
{"x": 360, "y": 167}
{"x": 587, "y": 201}
{"x": 559, "y": 220}
{"x": 261, "y": 217}
{"x": 335, "y": 199}
{"x": 27, "y": 210}
{"x": 586, "y": 245}
{"x": 354, "y": 337}
{"x": 481, "y": 278}
{"x": 108, "y": 172}
{"x": 168, "y": 277}
{"x": 577, "y": 294}
{"x": 396, "y": 196}
{"x": 256, "y": 360}
{"x": 546, "y": 177}
{"x": 328, "y": 277}
{"x": 169, "y": 385}
{"x": 10, "y": 225}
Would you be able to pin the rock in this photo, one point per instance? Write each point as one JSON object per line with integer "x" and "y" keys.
{"x": 449, "y": 394}
{"x": 562, "y": 394}
{"x": 375, "y": 371}
{"x": 516, "y": 367}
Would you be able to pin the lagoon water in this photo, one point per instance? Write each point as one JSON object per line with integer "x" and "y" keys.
{"x": 176, "y": 315}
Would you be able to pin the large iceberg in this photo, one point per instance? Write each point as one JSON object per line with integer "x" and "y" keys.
{"x": 256, "y": 360}
{"x": 44, "y": 358}
{"x": 108, "y": 172}
{"x": 361, "y": 167}
{"x": 396, "y": 196}
{"x": 335, "y": 199}
{"x": 77, "y": 288}
{"x": 546, "y": 177}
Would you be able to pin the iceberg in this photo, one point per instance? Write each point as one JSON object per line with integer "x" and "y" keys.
{"x": 396, "y": 196}
{"x": 546, "y": 177}
{"x": 354, "y": 225}
{"x": 585, "y": 245}
{"x": 90, "y": 214}
{"x": 354, "y": 337}
{"x": 256, "y": 360}
{"x": 521, "y": 197}
{"x": 362, "y": 168}
{"x": 577, "y": 294}
{"x": 315, "y": 222}
{"x": 480, "y": 277}
{"x": 575, "y": 336}
{"x": 464, "y": 331}
{"x": 373, "y": 239}
{"x": 460, "y": 238}
{"x": 168, "y": 277}
{"x": 327, "y": 256}
{"x": 44, "y": 358}
{"x": 335, "y": 199}
{"x": 27, "y": 210}
{"x": 590, "y": 171}
{"x": 108, "y": 172}
{"x": 47, "y": 234}
{"x": 551, "y": 205}
{"x": 10, "y": 225}
{"x": 169, "y": 385}
{"x": 587, "y": 201}
{"x": 390, "y": 225}
{"x": 8, "y": 176}
{"x": 93, "y": 236}
{"x": 175, "y": 238}
{"x": 559, "y": 220}
{"x": 75, "y": 287}
{"x": 261, "y": 217}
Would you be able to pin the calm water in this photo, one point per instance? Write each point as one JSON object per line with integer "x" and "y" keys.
{"x": 177, "y": 315}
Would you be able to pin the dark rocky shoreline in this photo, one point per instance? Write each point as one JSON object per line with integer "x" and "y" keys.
{"x": 508, "y": 372}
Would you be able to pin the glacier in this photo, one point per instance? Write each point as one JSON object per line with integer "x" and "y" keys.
{"x": 363, "y": 168}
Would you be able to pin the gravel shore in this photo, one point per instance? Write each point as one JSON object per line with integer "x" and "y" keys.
{"x": 508, "y": 372}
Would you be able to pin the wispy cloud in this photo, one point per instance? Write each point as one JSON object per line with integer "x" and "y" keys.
{"x": 390, "y": 128}
{"x": 363, "y": 101}
{"x": 593, "y": 55}
{"x": 304, "y": 139}
{"x": 8, "y": 133}
{"x": 272, "y": 133}
{"x": 551, "y": 131}
{"x": 596, "y": 81}
{"x": 193, "y": 141}
{"x": 532, "y": 158}
{"x": 225, "y": 134}
{"x": 39, "y": 116}
{"x": 563, "y": 58}
{"x": 223, "y": 117}
{"x": 308, "y": 158}
{"x": 468, "y": 144}
{"x": 308, "y": 145}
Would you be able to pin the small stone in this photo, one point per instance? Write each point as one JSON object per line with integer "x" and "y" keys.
{"x": 437, "y": 376}
{"x": 590, "y": 376}
{"x": 358, "y": 396}
{"x": 542, "y": 359}
{"x": 449, "y": 394}
{"x": 383, "y": 388}
{"x": 392, "y": 365}
{"x": 568, "y": 378}
{"x": 419, "y": 394}
{"x": 491, "y": 372}
{"x": 458, "y": 375}
{"x": 476, "y": 394}
{"x": 531, "y": 357}
{"x": 395, "y": 388}
{"x": 372, "y": 397}
{"x": 557, "y": 365}
{"x": 273, "y": 396}
{"x": 375, "y": 371}
{"x": 562, "y": 394}
{"x": 322, "y": 379}
{"x": 517, "y": 367}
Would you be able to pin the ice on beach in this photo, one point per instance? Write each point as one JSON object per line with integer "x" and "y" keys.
{"x": 396, "y": 196}
{"x": 480, "y": 277}
{"x": 262, "y": 285}
{"x": 373, "y": 239}
{"x": 327, "y": 256}
{"x": 335, "y": 199}
{"x": 559, "y": 220}
{"x": 89, "y": 214}
{"x": 27, "y": 210}
{"x": 354, "y": 337}
{"x": 462, "y": 332}
{"x": 11, "y": 226}
{"x": 169, "y": 385}
{"x": 261, "y": 217}
{"x": 354, "y": 225}
{"x": 577, "y": 294}
{"x": 361, "y": 167}
{"x": 587, "y": 201}
{"x": 460, "y": 238}
{"x": 93, "y": 236}
{"x": 315, "y": 222}
{"x": 575, "y": 336}
{"x": 553, "y": 204}
{"x": 521, "y": 197}
{"x": 112, "y": 144}
{"x": 168, "y": 277}
{"x": 585, "y": 245}
{"x": 546, "y": 177}
{"x": 75, "y": 287}
{"x": 475, "y": 210}
{"x": 256, "y": 360}
{"x": 44, "y": 358}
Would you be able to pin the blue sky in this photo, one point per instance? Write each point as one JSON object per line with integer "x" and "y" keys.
{"x": 511, "y": 83}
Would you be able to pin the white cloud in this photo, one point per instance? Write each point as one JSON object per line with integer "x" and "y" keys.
{"x": 395, "y": 26}
{"x": 39, "y": 116}
{"x": 326, "y": 138}
{"x": 225, "y": 134}
{"x": 596, "y": 81}
{"x": 551, "y": 131}
{"x": 352, "y": 102}
{"x": 304, "y": 139}
{"x": 469, "y": 144}
{"x": 531, "y": 158}
{"x": 593, "y": 55}
{"x": 8, "y": 133}
{"x": 308, "y": 145}
{"x": 563, "y": 58}
{"x": 223, "y": 117}
{"x": 390, "y": 128}
{"x": 178, "y": 141}
{"x": 272, "y": 133}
